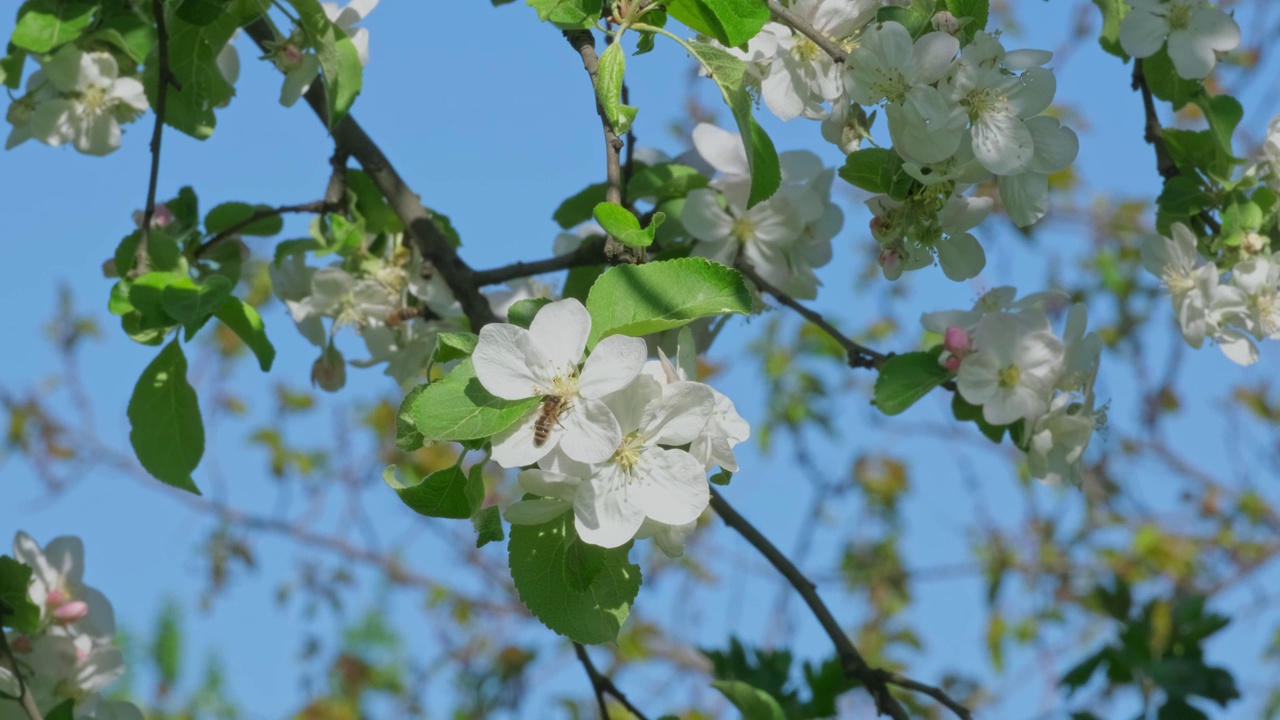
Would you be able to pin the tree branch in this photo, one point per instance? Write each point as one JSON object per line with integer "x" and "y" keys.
{"x": 419, "y": 225}
{"x": 938, "y": 694}
{"x": 590, "y": 252}
{"x": 602, "y": 686}
{"x": 804, "y": 27}
{"x": 164, "y": 78}
{"x": 855, "y": 667}
{"x": 860, "y": 356}
{"x": 319, "y": 206}
{"x": 25, "y": 698}
{"x": 1153, "y": 133}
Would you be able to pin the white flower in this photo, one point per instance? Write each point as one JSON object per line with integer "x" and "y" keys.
{"x": 762, "y": 235}
{"x": 1196, "y": 32}
{"x": 95, "y": 101}
{"x": 39, "y": 91}
{"x": 1083, "y": 352}
{"x": 1026, "y": 194}
{"x": 886, "y": 64}
{"x": 291, "y": 281}
{"x": 1014, "y": 368}
{"x": 1259, "y": 279}
{"x": 725, "y": 428}
{"x": 516, "y": 290}
{"x": 1058, "y": 440}
{"x": 57, "y": 584}
{"x": 670, "y": 539}
{"x": 347, "y": 17}
{"x": 513, "y": 363}
{"x": 299, "y": 67}
{"x": 406, "y": 349}
{"x": 1270, "y": 150}
{"x": 911, "y": 232}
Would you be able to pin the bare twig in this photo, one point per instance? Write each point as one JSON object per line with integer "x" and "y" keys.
{"x": 855, "y": 667}
{"x": 319, "y": 206}
{"x": 420, "y": 226}
{"x": 25, "y": 698}
{"x": 938, "y": 694}
{"x": 860, "y": 356}
{"x": 164, "y": 78}
{"x": 602, "y": 685}
{"x": 584, "y": 42}
{"x": 1153, "y": 133}
{"x": 590, "y": 252}
{"x": 804, "y": 27}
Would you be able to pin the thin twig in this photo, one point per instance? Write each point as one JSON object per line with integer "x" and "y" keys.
{"x": 585, "y": 44}
{"x": 164, "y": 78}
{"x": 420, "y": 226}
{"x": 804, "y": 27}
{"x": 855, "y": 667}
{"x": 590, "y": 252}
{"x": 319, "y": 206}
{"x": 938, "y": 694}
{"x": 25, "y": 698}
{"x": 1153, "y": 133}
{"x": 602, "y": 686}
{"x": 860, "y": 356}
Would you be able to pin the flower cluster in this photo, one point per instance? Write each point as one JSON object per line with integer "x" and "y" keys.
{"x": 79, "y": 98}
{"x": 623, "y": 443}
{"x": 1232, "y": 312}
{"x": 71, "y": 656}
{"x": 1010, "y": 362}
{"x": 1194, "y": 30}
{"x": 783, "y": 238}
{"x": 293, "y": 57}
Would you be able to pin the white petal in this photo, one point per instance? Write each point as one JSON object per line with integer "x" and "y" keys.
{"x": 1142, "y": 33}
{"x": 628, "y": 405}
{"x": 1002, "y": 143}
{"x": 615, "y": 362}
{"x": 722, "y": 149}
{"x": 591, "y": 434}
{"x": 931, "y": 58}
{"x": 514, "y": 446}
{"x": 535, "y": 512}
{"x": 509, "y": 363}
{"x": 1025, "y": 197}
{"x": 549, "y": 484}
{"x": 680, "y": 415}
{"x": 961, "y": 256}
{"x": 1032, "y": 93}
{"x": 703, "y": 217}
{"x": 670, "y": 486}
{"x": 603, "y": 513}
{"x": 782, "y": 89}
{"x": 560, "y": 330}
{"x": 1056, "y": 146}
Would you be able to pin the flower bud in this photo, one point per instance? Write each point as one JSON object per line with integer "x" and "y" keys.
{"x": 330, "y": 370}
{"x": 72, "y": 611}
{"x": 957, "y": 341}
{"x": 946, "y": 22}
{"x": 55, "y": 598}
{"x": 952, "y": 364}
{"x": 1253, "y": 243}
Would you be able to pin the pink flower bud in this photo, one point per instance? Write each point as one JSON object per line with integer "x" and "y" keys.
{"x": 21, "y": 644}
{"x": 952, "y": 364}
{"x": 55, "y": 598}
{"x": 957, "y": 341}
{"x": 72, "y": 611}
{"x": 162, "y": 216}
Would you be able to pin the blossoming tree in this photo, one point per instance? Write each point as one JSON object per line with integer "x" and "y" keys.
{"x": 565, "y": 406}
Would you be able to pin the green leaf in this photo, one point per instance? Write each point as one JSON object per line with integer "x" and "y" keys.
{"x": 201, "y": 12}
{"x": 44, "y": 25}
{"x": 339, "y": 59}
{"x": 1113, "y": 11}
{"x": 118, "y": 302}
{"x": 973, "y": 14}
{"x": 120, "y": 25}
{"x": 453, "y": 346}
{"x": 247, "y": 324}
{"x": 408, "y": 438}
{"x": 613, "y": 65}
{"x": 548, "y": 562}
{"x": 1224, "y": 113}
{"x": 1198, "y": 151}
{"x": 189, "y": 303}
{"x": 522, "y": 312}
{"x": 906, "y": 378}
{"x": 623, "y": 225}
{"x": 11, "y": 68}
{"x": 146, "y": 294}
{"x": 488, "y": 525}
{"x": 448, "y": 493}
{"x": 228, "y": 215}
{"x": 457, "y": 407}
{"x": 722, "y": 478}
{"x": 567, "y": 14}
{"x": 964, "y": 411}
{"x": 732, "y": 22}
{"x": 64, "y": 710}
{"x": 730, "y": 74}
{"x": 166, "y": 651}
{"x": 664, "y": 181}
{"x": 193, "y": 52}
{"x": 15, "y": 585}
{"x": 917, "y": 21}
{"x": 166, "y": 431}
{"x": 371, "y": 205}
{"x": 579, "y": 208}
{"x": 1166, "y": 83}
{"x": 754, "y": 704}
{"x": 638, "y": 300}
{"x": 1183, "y": 197}
{"x": 871, "y": 169}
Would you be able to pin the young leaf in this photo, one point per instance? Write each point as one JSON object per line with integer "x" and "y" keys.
{"x": 457, "y": 407}
{"x": 641, "y": 299}
{"x": 189, "y": 303}
{"x": 247, "y": 324}
{"x": 872, "y": 169}
{"x": 453, "y": 346}
{"x": 732, "y": 22}
{"x": 664, "y": 181}
{"x": 973, "y": 14}
{"x": 521, "y": 313}
{"x": 193, "y": 51}
{"x": 578, "y": 208}
{"x": 227, "y": 215}
{"x": 613, "y": 65}
{"x": 15, "y": 581}
{"x": 488, "y": 525}
{"x": 550, "y": 565}
{"x": 754, "y": 704}
{"x": 408, "y": 438}
{"x": 624, "y": 226}
{"x": 339, "y": 59}
{"x": 1113, "y": 11}
{"x": 906, "y": 378}
{"x": 166, "y": 431}
{"x": 44, "y": 25}
{"x": 448, "y": 493}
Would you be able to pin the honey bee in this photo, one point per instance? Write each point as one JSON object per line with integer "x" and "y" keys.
{"x": 401, "y": 316}
{"x": 553, "y": 406}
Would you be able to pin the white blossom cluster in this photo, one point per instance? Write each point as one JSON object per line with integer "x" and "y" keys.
{"x": 1008, "y": 360}
{"x": 623, "y": 443}
{"x": 783, "y": 238}
{"x": 71, "y": 656}
{"x": 956, "y": 117}
{"x": 77, "y": 98}
{"x": 1233, "y": 312}
{"x": 1194, "y": 31}
{"x": 295, "y": 57}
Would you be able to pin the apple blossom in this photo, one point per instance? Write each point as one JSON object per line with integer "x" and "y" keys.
{"x": 1196, "y": 32}
{"x": 725, "y": 428}
{"x": 57, "y": 582}
{"x": 94, "y": 101}
{"x": 1014, "y": 369}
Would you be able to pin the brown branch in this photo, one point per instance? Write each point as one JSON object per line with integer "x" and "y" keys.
{"x": 164, "y": 78}
{"x": 602, "y": 685}
{"x": 590, "y": 252}
{"x": 420, "y": 226}
{"x": 1153, "y": 133}
{"x": 855, "y": 667}
{"x": 802, "y": 26}
{"x": 585, "y": 44}
{"x": 25, "y": 698}
{"x": 860, "y": 356}
{"x": 319, "y": 206}
{"x": 938, "y": 694}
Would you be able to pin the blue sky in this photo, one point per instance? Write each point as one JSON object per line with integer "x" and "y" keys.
{"x": 490, "y": 118}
